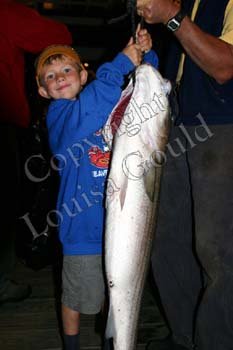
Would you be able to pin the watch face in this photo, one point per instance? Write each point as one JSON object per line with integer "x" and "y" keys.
{"x": 173, "y": 24}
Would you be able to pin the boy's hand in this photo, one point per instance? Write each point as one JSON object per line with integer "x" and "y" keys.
{"x": 144, "y": 39}
{"x": 134, "y": 52}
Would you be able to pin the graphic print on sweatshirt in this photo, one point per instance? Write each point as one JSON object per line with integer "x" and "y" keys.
{"x": 99, "y": 156}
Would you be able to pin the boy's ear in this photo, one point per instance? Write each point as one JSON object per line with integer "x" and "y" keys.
{"x": 83, "y": 76}
{"x": 43, "y": 92}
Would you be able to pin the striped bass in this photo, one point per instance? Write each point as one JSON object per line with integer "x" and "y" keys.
{"x": 137, "y": 132}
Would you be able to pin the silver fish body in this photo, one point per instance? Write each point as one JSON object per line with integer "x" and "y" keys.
{"x": 138, "y": 147}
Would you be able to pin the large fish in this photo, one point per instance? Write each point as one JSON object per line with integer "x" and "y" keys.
{"x": 137, "y": 132}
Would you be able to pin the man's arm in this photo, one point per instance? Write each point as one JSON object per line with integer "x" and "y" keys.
{"x": 211, "y": 54}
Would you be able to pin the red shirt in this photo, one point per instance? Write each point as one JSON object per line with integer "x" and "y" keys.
{"x": 22, "y": 30}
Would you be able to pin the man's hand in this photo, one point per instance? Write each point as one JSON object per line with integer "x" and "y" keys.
{"x": 157, "y": 11}
{"x": 213, "y": 55}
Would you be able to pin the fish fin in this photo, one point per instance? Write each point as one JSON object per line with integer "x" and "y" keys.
{"x": 110, "y": 331}
{"x": 123, "y": 192}
{"x": 149, "y": 181}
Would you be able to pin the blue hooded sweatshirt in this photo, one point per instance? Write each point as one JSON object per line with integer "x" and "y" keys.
{"x": 82, "y": 157}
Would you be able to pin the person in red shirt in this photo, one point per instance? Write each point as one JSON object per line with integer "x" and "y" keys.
{"x": 22, "y": 30}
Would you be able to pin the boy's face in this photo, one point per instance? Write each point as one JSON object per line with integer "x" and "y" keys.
{"x": 62, "y": 79}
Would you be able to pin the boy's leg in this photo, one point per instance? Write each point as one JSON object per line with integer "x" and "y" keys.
{"x": 83, "y": 292}
{"x": 71, "y": 322}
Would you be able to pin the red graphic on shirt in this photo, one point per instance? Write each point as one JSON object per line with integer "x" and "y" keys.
{"x": 98, "y": 157}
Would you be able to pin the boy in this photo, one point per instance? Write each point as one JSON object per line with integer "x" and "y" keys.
{"x": 74, "y": 120}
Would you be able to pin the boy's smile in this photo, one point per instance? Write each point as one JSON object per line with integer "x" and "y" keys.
{"x": 63, "y": 87}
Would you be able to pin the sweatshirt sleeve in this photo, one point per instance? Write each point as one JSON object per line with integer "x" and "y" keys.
{"x": 72, "y": 121}
{"x": 152, "y": 58}
{"x": 99, "y": 98}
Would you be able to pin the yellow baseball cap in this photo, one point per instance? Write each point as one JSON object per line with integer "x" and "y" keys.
{"x": 55, "y": 50}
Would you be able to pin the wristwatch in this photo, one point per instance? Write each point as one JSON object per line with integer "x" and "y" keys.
{"x": 174, "y": 23}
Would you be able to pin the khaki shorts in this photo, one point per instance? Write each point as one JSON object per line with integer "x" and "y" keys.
{"x": 83, "y": 287}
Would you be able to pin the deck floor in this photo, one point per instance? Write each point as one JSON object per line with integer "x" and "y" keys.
{"x": 33, "y": 324}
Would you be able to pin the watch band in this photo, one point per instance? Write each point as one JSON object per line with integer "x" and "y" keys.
{"x": 174, "y": 23}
